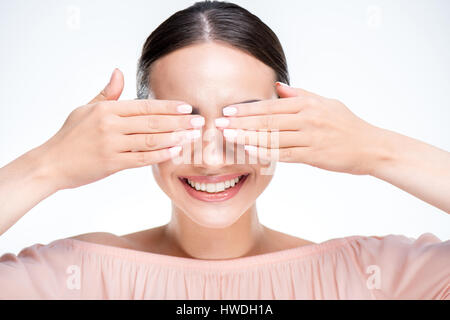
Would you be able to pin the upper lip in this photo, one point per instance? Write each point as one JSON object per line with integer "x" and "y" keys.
{"x": 213, "y": 179}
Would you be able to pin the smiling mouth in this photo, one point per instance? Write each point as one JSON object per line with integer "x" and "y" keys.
{"x": 214, "y": 187}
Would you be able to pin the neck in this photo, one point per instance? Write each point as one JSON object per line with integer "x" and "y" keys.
{"x": 196, "y": 241}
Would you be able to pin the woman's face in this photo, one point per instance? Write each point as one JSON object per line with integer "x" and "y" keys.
{"x": 211, "y": 76}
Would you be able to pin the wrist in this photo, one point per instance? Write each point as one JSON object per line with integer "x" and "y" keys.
{"x": 382, "y": 151}
{"x": 41, "y": 170}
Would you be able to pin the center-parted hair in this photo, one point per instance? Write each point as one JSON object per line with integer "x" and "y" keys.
{"x": 209, "y": 21}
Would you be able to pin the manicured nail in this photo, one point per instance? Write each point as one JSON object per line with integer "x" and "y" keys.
{"x": 229, "y": 133}
{"x": 174, "y": 150}
{"x": 222, "y": 122}
{"x": 184, "y": 108}
{"x": 251, "y": 149}
{"x": 283, "y": 84}
{"x": 229, "y": 111}
{"x": 197, "y": 121}
{"x": 193, "y": 134}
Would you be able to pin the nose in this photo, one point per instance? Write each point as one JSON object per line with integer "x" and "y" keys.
{"x": 210, "y": 151}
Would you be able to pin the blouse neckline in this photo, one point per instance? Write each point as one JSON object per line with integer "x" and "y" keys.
{"x": 303, "y": 251}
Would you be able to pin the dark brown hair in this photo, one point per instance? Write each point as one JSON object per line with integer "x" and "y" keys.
{"x": 210, "y": 21}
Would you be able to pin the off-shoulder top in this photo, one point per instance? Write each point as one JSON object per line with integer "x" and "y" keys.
{"x": 354, "y": 267}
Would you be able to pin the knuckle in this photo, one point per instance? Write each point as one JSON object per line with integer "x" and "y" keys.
{"x": 105, "y": 148}
{"x": 150, "y": 141}
{"x": 317, "y": 122}
{"x": 145, "y": 107}
{"x": 286, "y": 153}
{"x": 310, "y": 101}
{"x": 335, "y": 101}
{"x": 265, "y": 122}
{"x": 79, "y": 110}
{"x": 142, "y": 158}
{"x": 100, "y": 108}
{"x": 106, "y": 123}
{"x": 178, "y": 136}
{"x": 274, "y": 139}
{"x": 153, "y": 123}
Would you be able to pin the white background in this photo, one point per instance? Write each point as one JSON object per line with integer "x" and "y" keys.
{"x": 388, "y": 61}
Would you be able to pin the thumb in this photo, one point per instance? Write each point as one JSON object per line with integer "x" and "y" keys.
{"x": 113, "y": 89}
{"x": 285, "y": 91}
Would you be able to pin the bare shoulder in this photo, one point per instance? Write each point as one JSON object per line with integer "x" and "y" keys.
{"x": 145, "y": 240}
{"x": 105, "y": 238}
{"x": 279, "y": 241}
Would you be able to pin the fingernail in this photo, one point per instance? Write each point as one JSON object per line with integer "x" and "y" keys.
{"x": 198, "y": 121}
{"x": 184, "y": 108}
{"x": 106, "y": 88}
{"x": 174, "y": 150}
{"x": 222, "y": 122}
{"x": 194, "y": 134}
{"x": 112, "y": 75}
{"x": 229, "y": 133}
{"x": 250, "y": 149}
{"x": 229, "y": 111}
{"x": 282, "y": 84}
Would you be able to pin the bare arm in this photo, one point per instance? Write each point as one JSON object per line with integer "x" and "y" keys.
{"x": 415, "y": 167}
{"x": 24, "y": 183}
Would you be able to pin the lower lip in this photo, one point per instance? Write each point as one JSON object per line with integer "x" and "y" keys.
{"x": 217, "y": 196}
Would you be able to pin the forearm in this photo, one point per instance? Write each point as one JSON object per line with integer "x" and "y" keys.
{"x": 24, "y": 183}
{"x": 415, "y": 167}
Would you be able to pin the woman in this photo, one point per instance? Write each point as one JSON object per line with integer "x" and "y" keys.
{"x": 206, "y": 89}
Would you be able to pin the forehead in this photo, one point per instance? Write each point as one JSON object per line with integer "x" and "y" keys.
{"x": 211, "y": 73}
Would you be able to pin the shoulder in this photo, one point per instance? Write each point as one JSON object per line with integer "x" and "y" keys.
{"x": 407, "y": 267}
{"x": 104, "y": 238}
{"x": 393, "y": 246}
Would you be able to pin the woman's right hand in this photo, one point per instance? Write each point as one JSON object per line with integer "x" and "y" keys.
{"x": 107, "y": 136}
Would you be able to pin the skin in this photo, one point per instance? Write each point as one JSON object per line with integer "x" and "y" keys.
{"x": 314, "y": 130}
{"x": 198, "y": 229}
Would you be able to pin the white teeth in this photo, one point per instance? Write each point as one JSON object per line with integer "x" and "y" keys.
{"x": 210, "y": 187}
{"x": 214, "y": 187}
{"x": 220, "y": 186}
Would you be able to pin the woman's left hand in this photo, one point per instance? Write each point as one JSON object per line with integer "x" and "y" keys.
{"x": 310, "y": 129}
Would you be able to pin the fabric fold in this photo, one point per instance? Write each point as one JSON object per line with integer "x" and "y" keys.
{"x": 355, "y": 267}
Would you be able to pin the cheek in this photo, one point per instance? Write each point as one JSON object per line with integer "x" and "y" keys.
{"x": 264, "y": 175}
{"x": 160, "y": 173}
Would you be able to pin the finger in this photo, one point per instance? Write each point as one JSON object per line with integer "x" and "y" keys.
{"x": 158, "y": 123}
{"x": 140, "y": 159}
{"x": 128, "y": 108}
{"x": 269, "y": 122}
{"x": 113, "y": 89}
{"x": 286, "y": 91}
{"x": 270, "y": 106}
{"x": 294, "y": 154}
{"x": 155, "y": 141}
{"x": 266, "y": 139}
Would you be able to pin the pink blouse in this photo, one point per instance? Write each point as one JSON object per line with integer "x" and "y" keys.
{"x": 355, "y": 267}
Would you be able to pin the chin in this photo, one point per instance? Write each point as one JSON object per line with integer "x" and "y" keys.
{"x": 215, "y": 218}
